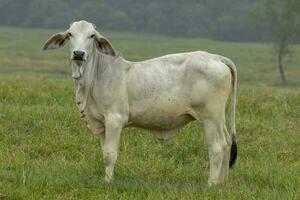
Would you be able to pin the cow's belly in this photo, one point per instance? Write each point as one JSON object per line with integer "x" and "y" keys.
{"x": 159, "y": 114}
{"x": 162, "y": 122}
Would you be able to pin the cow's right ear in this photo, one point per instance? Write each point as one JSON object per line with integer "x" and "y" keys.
{"x": 56, "y": 41}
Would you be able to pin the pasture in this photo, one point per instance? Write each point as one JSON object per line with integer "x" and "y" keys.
{"x": 46, "y": 151}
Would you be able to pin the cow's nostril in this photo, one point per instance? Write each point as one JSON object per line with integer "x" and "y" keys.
{"x": 78, "y": 55}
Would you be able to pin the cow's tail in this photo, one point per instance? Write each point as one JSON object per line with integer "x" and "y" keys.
{"x": 233, "y": 151}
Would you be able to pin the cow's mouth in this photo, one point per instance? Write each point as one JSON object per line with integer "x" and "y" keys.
{"x": 78, "y": 61}
{"x": 77, "y": 58}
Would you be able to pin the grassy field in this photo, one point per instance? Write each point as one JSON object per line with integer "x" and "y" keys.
{"x": 46, "y": 151}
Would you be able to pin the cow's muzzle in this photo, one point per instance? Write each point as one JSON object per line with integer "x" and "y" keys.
{"x": 78, "y": 55}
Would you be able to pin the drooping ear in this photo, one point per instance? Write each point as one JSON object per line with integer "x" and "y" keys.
{"x": 56, "y": 41}
{"x": 104, "y": 45}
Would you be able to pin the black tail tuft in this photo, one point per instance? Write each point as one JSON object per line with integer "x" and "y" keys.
{"x": 233, "y": 152}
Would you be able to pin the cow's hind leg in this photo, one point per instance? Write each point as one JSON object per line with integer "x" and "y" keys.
{"x": 227, "y": 155}
{"x": 219, "y": 142}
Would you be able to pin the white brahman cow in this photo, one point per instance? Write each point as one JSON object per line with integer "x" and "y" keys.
{"x": 162, "y": 95}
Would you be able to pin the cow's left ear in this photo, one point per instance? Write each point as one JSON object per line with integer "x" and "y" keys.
{"x": 56, "y": 41}
{"x": 104, "y": 45}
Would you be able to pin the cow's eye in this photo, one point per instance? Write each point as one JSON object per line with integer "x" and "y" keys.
{"x": 92, "y": 36}
{"x": 70, "y": 34}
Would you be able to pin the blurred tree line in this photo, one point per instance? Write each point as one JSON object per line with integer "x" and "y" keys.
{"x": 224, "y": 20}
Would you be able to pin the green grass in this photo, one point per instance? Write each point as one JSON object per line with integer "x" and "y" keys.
{"x": 46, "y": 151}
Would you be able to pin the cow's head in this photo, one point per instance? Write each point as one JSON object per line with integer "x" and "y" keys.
{"x": 84, "y": 39}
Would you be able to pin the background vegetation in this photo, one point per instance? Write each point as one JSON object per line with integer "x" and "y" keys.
{"x": 223, "y": 20}
{"x": 46, "y": 151}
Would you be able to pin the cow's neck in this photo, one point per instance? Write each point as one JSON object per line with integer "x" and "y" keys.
{"x": 90, "y": 72}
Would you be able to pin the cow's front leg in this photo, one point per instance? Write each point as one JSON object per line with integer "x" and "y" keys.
{"x": 110, "y": 144}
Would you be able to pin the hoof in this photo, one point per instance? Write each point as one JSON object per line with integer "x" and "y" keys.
{"x": 212, "y": 183}
{"x": 108, "y": 180}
